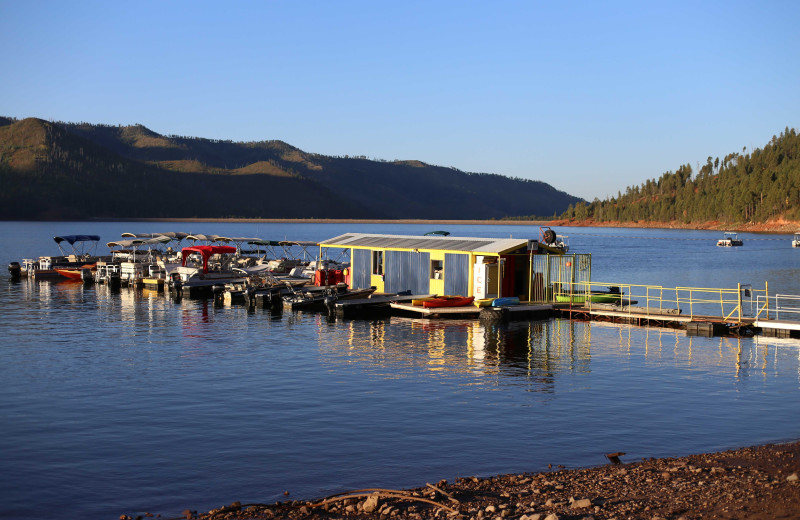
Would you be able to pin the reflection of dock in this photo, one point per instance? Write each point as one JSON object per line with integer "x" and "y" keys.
{"x": 695, "y": 325}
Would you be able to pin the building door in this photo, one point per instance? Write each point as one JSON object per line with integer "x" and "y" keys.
{"x": 361, "y": 269}
{"x": 456, "y": 274}
{"x": 407, "y": 271}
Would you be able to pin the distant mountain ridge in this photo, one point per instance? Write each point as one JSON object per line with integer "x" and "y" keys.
{"x": 78, "y": 170}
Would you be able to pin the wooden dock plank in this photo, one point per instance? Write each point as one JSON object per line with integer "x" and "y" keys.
{"x": 427, "y": 311}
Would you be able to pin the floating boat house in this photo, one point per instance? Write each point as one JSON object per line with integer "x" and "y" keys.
{"x": 479, "y": 267}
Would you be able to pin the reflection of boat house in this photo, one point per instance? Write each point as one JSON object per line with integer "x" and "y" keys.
{"x": 479, "y": 267}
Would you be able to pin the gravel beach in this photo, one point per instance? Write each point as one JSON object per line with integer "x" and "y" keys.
{"x": 749, "y": 483}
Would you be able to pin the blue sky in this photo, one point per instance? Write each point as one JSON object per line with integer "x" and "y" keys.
{"x": 590, "y": 97}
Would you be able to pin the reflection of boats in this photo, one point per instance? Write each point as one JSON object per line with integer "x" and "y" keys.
{"x": 611, "y": 296}
{"x": 729, "y": 239}
{"x": 448, "y": 301}
{"x": 796, "y": 241}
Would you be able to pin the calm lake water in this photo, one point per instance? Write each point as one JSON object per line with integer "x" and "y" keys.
{"x": 131, "y": 402}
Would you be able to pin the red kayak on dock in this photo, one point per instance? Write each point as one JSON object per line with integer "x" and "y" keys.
{"x": 448, "y": 301}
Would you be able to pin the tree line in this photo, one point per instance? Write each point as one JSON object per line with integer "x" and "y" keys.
{"x": 737, "y": 188}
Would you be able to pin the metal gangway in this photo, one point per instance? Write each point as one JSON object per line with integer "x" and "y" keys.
{"x": 737, "y": 310}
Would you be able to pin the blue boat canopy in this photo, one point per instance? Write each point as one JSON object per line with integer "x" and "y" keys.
{"x": 71, "y": 239}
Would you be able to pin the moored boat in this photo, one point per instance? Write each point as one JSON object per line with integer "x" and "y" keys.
{"x": 204, "y": 275}
{"x": 729, "y": 239}
{"x": 318, "y": 298}
{"x": 796, "y": 240}
{"x": 79, "y": 274}
{"x": 81, "y": 251}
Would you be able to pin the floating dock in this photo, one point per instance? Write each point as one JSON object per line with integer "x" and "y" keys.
{"x": 504, "y": 313}
{"x": 377, "y": 304}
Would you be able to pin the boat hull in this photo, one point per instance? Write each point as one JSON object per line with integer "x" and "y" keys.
{"x": 83, "y": 274}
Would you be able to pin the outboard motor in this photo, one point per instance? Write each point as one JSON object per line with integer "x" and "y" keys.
{"x": 331, "y": 296}
{"x": 177, "y": 283}
{"x": 250, "y": 296}
{"x": 15, "y": 270}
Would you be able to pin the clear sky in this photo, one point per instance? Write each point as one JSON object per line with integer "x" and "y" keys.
{"x": 590, "y": 97}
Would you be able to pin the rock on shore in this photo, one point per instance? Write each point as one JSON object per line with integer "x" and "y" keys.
{"x": 748, "y": 483}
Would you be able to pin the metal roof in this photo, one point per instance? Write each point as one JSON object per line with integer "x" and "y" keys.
{"x": 468, "y": 244}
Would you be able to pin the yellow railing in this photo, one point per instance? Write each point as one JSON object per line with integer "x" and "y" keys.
{"x": 729, "y": 305}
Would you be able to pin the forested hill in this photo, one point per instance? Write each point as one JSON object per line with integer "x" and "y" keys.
{"x": 739, "y": 188}
{"x": 73, "y": 171}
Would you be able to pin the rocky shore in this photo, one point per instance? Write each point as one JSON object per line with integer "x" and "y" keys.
{"x": 748, "y": 483}
{"x": 771, "y": 226}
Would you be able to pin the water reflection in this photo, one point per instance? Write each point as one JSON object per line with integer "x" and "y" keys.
{"x": 490, "y": 353}
{"x": 540, "y": 350}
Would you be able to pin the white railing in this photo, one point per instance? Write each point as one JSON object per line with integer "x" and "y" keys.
{"x": 781, "y": 306}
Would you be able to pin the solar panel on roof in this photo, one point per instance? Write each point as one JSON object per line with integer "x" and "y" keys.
{"x": 420, "y": 242}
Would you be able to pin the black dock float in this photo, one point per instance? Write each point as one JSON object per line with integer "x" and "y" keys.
{"x": 705, "y": 328}
{"x": 377, "y": 304}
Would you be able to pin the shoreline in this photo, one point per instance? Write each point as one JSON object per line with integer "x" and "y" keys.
{"x": 773, "y": 226}
{"x": 778, "y": 226}
{"x": 759, "y": 482}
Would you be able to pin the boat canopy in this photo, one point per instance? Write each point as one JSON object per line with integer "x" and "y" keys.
{"x": 207, "y": 238}
{"x": 174, "y": 235}
{"x": 80, "y": 240}
{"x": 259, "y": 242}
{"x": 301, "y": 243}
{"x": 71, "y": 239}
{"x": 135, "y": 242}
{"x": 206, "y": 252}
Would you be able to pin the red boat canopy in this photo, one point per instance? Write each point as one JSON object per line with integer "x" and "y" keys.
{"x": 207, "y": 252}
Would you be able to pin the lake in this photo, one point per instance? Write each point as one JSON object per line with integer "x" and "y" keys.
{"x": 132, "y": 402}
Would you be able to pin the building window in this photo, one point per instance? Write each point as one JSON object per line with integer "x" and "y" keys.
{"x": 437, "y": 269}
{"x": 377, "y": 262}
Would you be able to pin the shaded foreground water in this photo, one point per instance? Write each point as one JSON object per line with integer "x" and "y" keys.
{"x": 130, "y": 401}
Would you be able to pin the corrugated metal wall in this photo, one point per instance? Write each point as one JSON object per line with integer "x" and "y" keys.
{"x": 407, "y": 271}
{"x": 361, "y": 265}
{"x": 456, "y": 274}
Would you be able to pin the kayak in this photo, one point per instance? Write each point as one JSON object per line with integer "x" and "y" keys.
{"x": 417, "y": 302}
{"x": 508, "y": 300}
{"x": 448, "y": 301}
{"x": 596, "y": 297}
